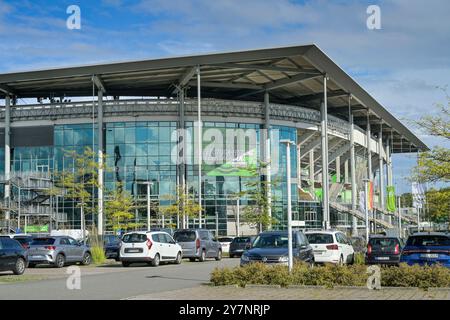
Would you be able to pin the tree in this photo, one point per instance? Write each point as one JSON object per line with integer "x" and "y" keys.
{"x": 434, "y": 166}
{"x": 438, "y": 203}
{"x": 183, "y": 204}
{"x": 257, "y": 212}
{"x": 80, "y": 182}
{"x": 119, "y": 209}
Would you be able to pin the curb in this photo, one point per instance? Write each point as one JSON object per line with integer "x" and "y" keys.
{"x": 296, "y": 286}
{"x": 262, "y": 286}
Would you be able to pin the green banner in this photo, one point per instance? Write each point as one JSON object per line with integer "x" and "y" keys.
{"x": 36, "y": 229}
{"x": 244, "y": 166}
{"x": 391, "y": 205}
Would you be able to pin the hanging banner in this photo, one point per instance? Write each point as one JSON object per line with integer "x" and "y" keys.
{"x": 391, "y": 203}
{"x": 370, "y": 195}
{"x": 418, "y": 195}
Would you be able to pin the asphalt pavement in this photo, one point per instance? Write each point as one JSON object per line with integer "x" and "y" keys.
{"x": 111, "y": 281}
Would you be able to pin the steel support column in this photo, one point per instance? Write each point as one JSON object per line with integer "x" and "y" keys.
{"x": 353, "y": 167}
{"x": 369, "y": 154}
{"x": 200, "y": 146}
{"x": 100, "y": 161}
{"x": 183, "y": 146}
{"x": 311, "y": 173}
{"x": 381, "y": 168}
{"x": 324, "y": 137}
{"x": 7, "y": 155}
{"x": 267, "y": 154}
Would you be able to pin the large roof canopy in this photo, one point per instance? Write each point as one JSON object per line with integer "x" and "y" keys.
{"x": 292, "y": 75}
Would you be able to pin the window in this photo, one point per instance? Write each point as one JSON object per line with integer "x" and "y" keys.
{"x": 134, "y": 238}
{"x": 64, "y": 241}
{"x": 320, "y": 238}
{"x": 43, "y": 241}
{"x": 168, "y": 238}
{"x": 431, "y": 240}
{"x": 72, "y": 242}
{"x": 204, "y": 235}
{"x": 185, "y": 236}
{"x": 9, "y": 243}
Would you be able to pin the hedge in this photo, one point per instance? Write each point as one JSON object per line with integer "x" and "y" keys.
{"x": 331, "y": 275}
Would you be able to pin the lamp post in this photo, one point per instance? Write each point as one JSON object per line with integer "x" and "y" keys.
{"x": 238, "y": 231}
{"x": 289, "y": 201}
{"x": 148, "y": 184}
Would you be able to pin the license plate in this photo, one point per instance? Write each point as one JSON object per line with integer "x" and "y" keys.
{"x": 133, "y": 250}
{"x": 36, "y": 257}
{"x": 318, "y": 252}
{"x": 382, "y": 258}
{"x": 430, "y": 256}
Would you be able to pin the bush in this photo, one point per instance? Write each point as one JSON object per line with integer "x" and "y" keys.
{"x": 98, "y": 255}
{"x": 331, "y": 275}
{"x": 360, "y": 259}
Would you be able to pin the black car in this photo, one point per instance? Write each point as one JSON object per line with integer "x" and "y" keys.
{"x": 384, "y": 250}
{"x": 24, "y": 240}
{"x": 240, "y": 244}
{"x": 271, "y": 247}
{"x": 112, "y": 247}
{"x": 13, "y": 257}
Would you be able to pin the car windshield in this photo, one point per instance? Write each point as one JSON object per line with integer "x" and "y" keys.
{"x": 42, "y": 241}
{"x": 24, "y": 240}
{"x": 272, "y": 241}
{"x": 428, "y": 241}
{"x": 383, "y": 243}
{"x": 225, "y": 239}
{"x": 184, "y": 236}
{"x": 111, "y": 239}
{"x": 320, "y": 238}
{"x": 134, "y": 238}
{"x": 241, "y": 240}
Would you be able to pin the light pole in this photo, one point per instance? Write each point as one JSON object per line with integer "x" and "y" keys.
{"x": 289, "y": 201}
{"x": 148, "y": 184}
{"x": 366, "y": 202}
{"x": 238, "y": 231}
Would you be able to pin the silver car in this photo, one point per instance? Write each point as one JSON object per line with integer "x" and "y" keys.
{"x": 198, "y": 244}
{"x": 57, "y": 251}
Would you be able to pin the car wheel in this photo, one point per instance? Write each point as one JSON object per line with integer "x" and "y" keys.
{"x": 155, "y": 261}
{"x": 87, "y": 258}
{"x": 60, "y": 260}
{"x": 178, "y": 260}
{"x": 311, "y": 263}
{"x": 219, "y": 255}
{"x": 341, "y": 261}
{"x": 125, "y": 264}
{"x": 231, "y": 256}
{"x": 192, "y": 259}
{"x": 202, "y": 256}
{"x": 19, "y": 267}
{"x": 352, "y": 261}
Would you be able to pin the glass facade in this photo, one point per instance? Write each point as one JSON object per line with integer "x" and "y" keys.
{"x": 138, "y": 152}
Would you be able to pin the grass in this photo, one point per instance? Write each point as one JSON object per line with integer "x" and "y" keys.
{"x": 23, "y": 278}
{"x": 98, "y": 255}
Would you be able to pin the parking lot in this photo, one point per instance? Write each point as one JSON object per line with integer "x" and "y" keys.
{"x": 110, "y": 281}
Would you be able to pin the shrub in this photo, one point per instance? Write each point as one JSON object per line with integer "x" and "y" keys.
{"x": 98, "y": 255}
{"x": 360, "y": 258}
{"x": 330, "y": 275}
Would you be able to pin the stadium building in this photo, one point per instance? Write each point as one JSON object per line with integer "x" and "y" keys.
{"x": 145, "y": 115}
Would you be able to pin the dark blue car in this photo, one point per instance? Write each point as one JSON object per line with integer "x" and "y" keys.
{"x": 112, "y": 247}
{"x": 427, "y": 249}
{"x": 271, "y": 247}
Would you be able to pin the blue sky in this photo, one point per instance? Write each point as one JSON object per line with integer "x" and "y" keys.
{"x": 401, "y": 65}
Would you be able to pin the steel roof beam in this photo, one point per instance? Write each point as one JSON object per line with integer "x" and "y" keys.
{"x": 227, "y": 85}
{"x": 256, "y": 67}
{"x": 99, "y": 83}
{"x": 6, "y": 90}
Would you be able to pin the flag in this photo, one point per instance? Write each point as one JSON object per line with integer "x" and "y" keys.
{"x": 391, "y": 205}
{"x": 370, "y": 195}
{"x": 362, "y": 201}
{"x": 418, "y": 195}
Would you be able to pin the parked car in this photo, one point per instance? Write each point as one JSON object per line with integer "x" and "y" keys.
{"x": 13, "y": 257}
{"x": 359, "y": 244}
{"x": 331, "y": 247}
{"x": 57, "y": 251}
{"x": 225, "y": 243}
{"x": 427, "y": 249}
{"x": 271, "y": 247}
{"x": 384, "y": 250}
{"x": 198, "y": 244}
{"x": 111, "y": 245}
{"x": 240, "y": 244}
{"x": 152, "y": 247}
{"x": 23, "y": 239}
